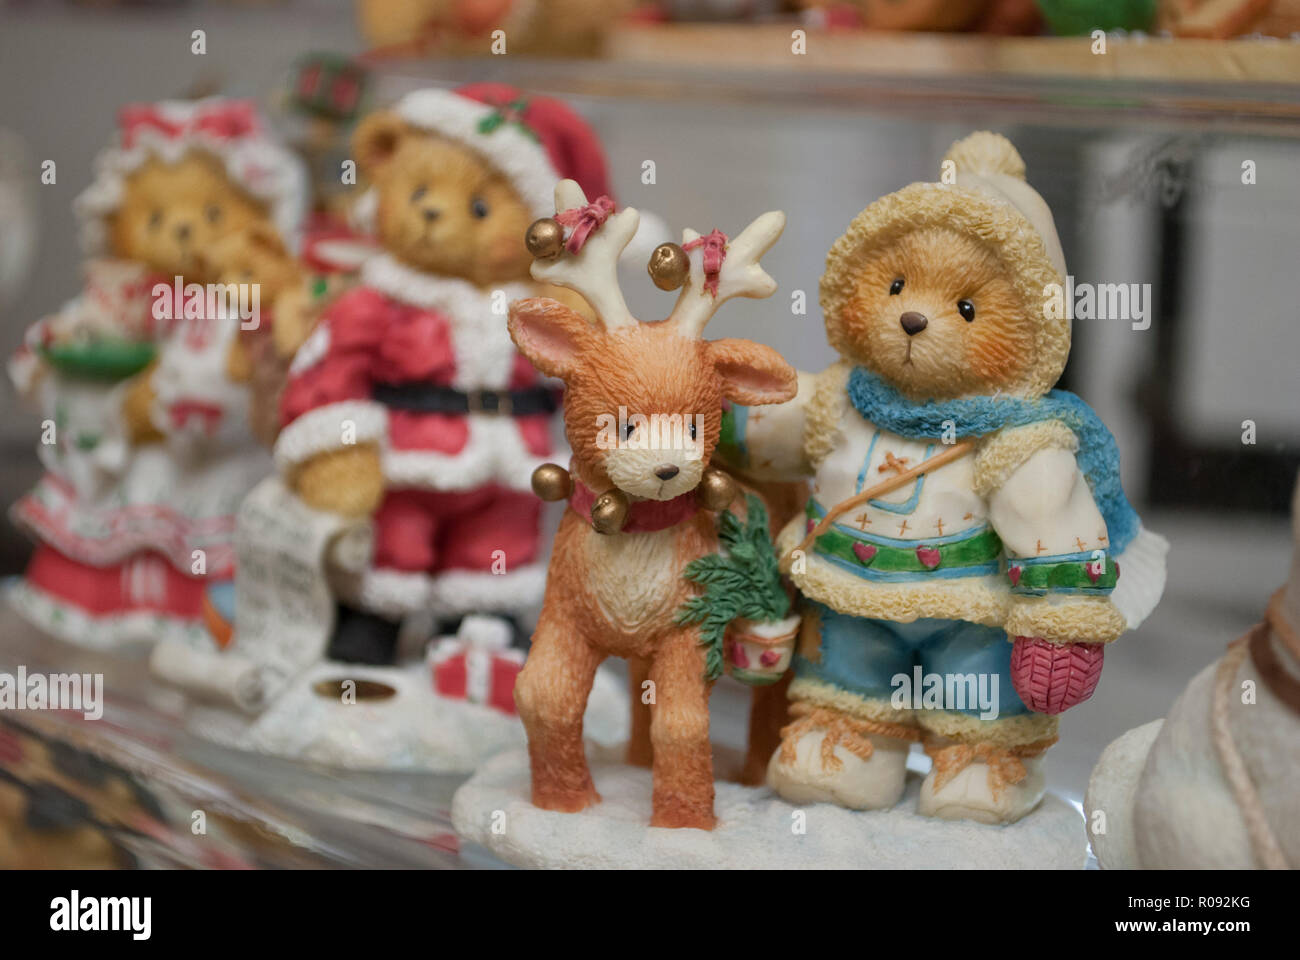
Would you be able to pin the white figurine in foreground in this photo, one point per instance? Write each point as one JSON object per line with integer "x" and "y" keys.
{"x": 1217, "y": 783}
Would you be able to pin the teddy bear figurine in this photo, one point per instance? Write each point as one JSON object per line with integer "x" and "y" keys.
{"x": 408, "y": 403}
{"x": 126, "y": 558}
{"x": 960, "y": 555}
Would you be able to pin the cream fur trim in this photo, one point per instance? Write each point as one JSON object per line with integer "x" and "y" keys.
{"x": 485, "y": 355}
{"x": 996, "y": 224}
{"x": 822, "y": 434}
{"x": 1001, "y": 454}
{"x": 976, "y": 599}
{"x": 1003, "y": 732}
{"x": 520, "y": 158}
{"x": 831, "y": 697}
{"x": 396, "y": 593}
{"x": 319, "y": 430}
{"x": 493, "y": 453}
{"x": 257, "y": 163}
{"x": 1013, "y": 731}
{"x": 1068, "y": 619}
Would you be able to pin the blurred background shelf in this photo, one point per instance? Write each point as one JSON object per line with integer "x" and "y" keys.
{"x": 768, "y": 47}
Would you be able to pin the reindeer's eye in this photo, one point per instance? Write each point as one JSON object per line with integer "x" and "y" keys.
{"x": 478, "y": 206}
{"x": 155, "y": 220}
{"x": 896, "y": 287}
{"x": 213, "y": 213}
{"x": 966, "y": 309}
{"x": 691, "y": 427}
{"x": 418, "y": 193}
{"x": 628, "y": 430}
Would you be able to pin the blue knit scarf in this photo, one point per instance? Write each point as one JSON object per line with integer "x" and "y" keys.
{"x": 1098, "y": 456}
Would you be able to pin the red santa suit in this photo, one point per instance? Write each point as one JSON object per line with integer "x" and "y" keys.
{"x": 423, "y": 366}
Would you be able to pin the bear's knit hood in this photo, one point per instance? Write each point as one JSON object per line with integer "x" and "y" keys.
{"x": 987, "y": 198}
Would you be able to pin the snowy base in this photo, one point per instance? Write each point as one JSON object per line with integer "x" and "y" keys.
{"x": 413, "y": 730}
{"x": 756, "y": 829}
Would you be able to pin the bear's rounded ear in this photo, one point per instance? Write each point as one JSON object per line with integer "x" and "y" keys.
{"x": 375, "y": 140}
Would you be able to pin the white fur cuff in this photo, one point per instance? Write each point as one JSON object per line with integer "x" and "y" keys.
{"x": 330, "y": 427}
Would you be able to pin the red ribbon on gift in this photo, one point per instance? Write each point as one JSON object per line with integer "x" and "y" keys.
{"x": 225, "y": 120}
{"x": 715, "y": 252}
{"x": 584, "y": 221}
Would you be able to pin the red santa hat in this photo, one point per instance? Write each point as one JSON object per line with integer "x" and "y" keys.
{"x": 534, "y": 141}
{"x": 230, "y": 130}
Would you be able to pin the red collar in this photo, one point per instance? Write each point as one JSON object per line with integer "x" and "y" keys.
{"x": 644, "y": 516}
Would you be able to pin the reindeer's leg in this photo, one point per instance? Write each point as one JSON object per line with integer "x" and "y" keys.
{"x": 639, "y": 750}
{"x": 551, "y": 694}
{"x": 769, "y": 712}
{"x": 679, "y": 731}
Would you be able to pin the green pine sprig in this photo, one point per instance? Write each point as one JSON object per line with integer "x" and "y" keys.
{"x": 743, "y": 579}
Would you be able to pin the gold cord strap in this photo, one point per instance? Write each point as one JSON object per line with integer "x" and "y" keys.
{"x": 871, "y": 493}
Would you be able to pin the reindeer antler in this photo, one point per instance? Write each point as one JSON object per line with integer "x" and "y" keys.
{"x": 593, "y": 269}
{"x": 724, "y": 269}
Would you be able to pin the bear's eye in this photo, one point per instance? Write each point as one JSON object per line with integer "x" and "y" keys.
{"x": 155, "y": 220}
{"x": 213, "y": 213}
{"x": 966, "y": 309}
{"x": 478, "y": 206}
{"x": 418, "y": 193}
{"x": 896, "y": 287}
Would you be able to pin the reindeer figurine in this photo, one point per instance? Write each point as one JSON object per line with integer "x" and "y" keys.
{"x": 639, "y": 510}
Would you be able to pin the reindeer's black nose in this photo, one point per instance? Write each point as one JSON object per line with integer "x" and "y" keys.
{"x": 913, "y": 322}
{"x": 666, "y": 471}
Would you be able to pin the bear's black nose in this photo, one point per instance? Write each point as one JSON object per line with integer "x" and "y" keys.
{"x": 666, "y": 471}
{"x": 431, "y": 215}
{"x": 183, "y": 233}
{"x": 913, "y": 322}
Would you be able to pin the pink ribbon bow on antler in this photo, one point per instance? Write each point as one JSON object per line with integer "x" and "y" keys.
{"x": 227, "y": 120}
{"x": 584, "y": 221}
{"x": 715, "y": 252}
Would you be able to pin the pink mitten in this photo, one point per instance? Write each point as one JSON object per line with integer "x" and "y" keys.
{"x": 1053, "y": 677}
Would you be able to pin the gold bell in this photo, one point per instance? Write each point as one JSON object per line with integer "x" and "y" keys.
{"x": 552, "y": 482}
{"x": 609, "y": 512}
{"x": 545, "y": 238}
{"x": 669, "y": 266}
{"x": 716, "y": 490}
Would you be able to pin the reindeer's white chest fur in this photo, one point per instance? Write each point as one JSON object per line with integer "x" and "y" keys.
{"x": 633, "y": 576}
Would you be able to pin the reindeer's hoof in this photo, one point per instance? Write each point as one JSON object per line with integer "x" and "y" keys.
{"x": 566, "y": 801}
{"x": 678, "y": 818}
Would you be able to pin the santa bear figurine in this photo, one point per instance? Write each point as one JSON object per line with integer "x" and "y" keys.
{"x": 409, "y": 403}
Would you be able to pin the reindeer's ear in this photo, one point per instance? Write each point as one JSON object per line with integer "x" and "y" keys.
{"x": 751, "y": 373}
{"x": 375, "y": 140}
{"x": 549, "y": 334}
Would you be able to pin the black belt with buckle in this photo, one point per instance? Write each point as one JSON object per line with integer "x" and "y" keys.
{"x": 427, "y": 398}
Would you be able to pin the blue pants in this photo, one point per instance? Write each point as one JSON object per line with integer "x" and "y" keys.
{"x": 865, "y": 657}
